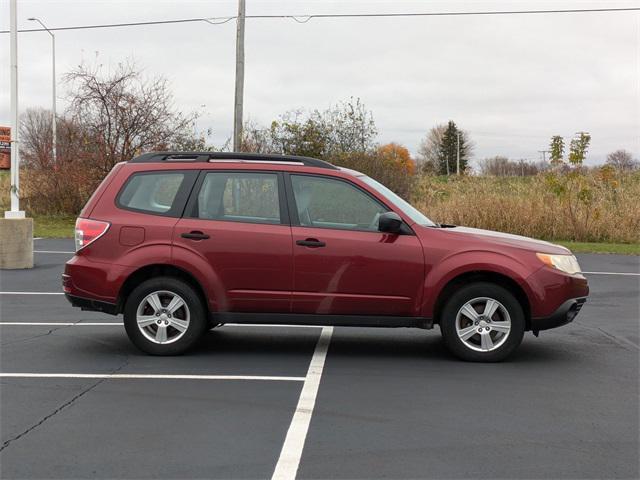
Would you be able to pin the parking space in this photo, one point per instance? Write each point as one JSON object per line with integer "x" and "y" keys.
{"x": 383, "y": 404}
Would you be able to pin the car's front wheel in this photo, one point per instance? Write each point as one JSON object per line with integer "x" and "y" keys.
{"x": 482, "y": 322}
{"x": 164, "y": 316}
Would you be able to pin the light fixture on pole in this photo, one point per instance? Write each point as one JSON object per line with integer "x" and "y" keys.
{"x": 53, "y": 82}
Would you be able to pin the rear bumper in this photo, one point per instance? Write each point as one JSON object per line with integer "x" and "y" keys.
{"x": 564, "y": 314}
{"x": 92, "y": 305}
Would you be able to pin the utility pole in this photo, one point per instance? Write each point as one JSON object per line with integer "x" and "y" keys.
{"x": 543, "y": 152}
{"x": 458, "y": 153}
{"x": 15, "y": 151}
{"x": 239, "y": 95}
{"x": 53, "y": 81}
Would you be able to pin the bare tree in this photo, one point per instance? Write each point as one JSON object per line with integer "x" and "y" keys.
{"x": 35, "y": 137}
{"x": 622, "y": 160}
{"x": 429, "y": 149}
{"x": 74, "y": 143}
{"x": 123, "y": 113}
{"x": 503, "y": 167}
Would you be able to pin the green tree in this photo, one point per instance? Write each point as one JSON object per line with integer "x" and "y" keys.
{"x": 578, "y": 148}
{"x": 345, "y": 128}
{"x": 448, "y": 151}
{"x": 556, "y": 147}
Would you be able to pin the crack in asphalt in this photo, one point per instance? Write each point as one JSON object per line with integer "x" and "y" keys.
{"x": 621, "y": 341}
{"x": 63, "y": 406}
{"x": 38, "y": 336}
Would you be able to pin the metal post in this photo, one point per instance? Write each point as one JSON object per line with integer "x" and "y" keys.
{"x": 53, "y": 80}
{"x": 239, "y": 95}
{"x": 53, "y": 85}
{"x": 15, "y": 151}
{"x": 458, "y": 154}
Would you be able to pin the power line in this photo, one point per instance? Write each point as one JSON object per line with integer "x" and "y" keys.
{"x": 306, "y": 18}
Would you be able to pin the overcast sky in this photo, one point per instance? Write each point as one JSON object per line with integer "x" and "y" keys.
{"x": 511, "y": 81}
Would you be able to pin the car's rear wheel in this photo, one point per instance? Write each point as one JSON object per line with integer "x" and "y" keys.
{"x": 482, "y": 322}
{"x": 164, "y": 316}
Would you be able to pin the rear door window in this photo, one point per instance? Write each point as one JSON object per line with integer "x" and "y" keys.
{"x": 251, "y": 197}
{"x": 159, "y": 193}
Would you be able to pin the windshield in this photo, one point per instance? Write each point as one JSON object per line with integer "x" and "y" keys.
{"x": 412, "y": 212}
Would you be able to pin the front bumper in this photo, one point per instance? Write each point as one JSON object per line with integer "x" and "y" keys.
{"x": 564, "y": 314}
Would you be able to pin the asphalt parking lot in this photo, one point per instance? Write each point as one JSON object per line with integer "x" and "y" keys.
{"x": 78, "y": 401}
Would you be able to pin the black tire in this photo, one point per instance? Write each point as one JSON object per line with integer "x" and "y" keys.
{"x": 503, "y": 347}
{"x": 197, "y": 324}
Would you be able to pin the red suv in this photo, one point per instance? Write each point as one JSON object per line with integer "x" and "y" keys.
{"x": 182, "y": 242}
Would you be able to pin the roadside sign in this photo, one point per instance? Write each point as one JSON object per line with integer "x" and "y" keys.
{"x": 5, "y": 148}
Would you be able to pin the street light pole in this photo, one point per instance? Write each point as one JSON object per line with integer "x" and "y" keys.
{"x": 53, "y": 83}
{"x": 239, "y": 94}
{"x": 15, "y": 151}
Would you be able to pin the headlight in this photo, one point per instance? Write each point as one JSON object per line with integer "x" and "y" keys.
{"x": 565, "y": 263}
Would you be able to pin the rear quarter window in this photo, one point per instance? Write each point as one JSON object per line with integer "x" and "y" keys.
{"x": 159, "y": 193}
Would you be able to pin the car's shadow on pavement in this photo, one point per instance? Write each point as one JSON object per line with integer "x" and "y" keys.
{"x": 375, "y": 345}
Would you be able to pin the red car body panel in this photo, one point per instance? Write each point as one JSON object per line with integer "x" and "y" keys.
{"x": 357, "y": 273}
{"x": 249, "y": 267}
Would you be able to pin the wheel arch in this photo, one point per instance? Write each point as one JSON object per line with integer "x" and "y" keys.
{"x": 488, "y": 276}
{"x": 156, "y": 270}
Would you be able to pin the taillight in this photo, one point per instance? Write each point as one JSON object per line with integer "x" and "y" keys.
{"x": 88, "y": 231}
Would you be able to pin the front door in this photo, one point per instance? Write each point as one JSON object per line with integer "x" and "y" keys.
{"x": 342, "y": 264}
{"x": 234, "y": 220}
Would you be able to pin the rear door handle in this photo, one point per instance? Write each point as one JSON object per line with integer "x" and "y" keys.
{"x": 195, "y": 235}
{"x": 310, "y": 242}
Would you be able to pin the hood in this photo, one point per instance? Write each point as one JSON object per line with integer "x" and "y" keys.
{"x": 507, "y": 239}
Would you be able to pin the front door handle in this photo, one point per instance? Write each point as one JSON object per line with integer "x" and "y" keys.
{"x": 310, "y": 242}
{"x": 195, "y": 235}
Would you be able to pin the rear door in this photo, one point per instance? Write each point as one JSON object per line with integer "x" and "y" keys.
{"x": 343, "y": 264}
{"x": 237, "y": 221}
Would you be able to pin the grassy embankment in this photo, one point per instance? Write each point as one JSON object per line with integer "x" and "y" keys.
{"x": 601, "y": 216}
{"x": 46, "y": 226}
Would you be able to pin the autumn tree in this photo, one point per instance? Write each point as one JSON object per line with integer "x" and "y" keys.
{"x": 397, "y": 157}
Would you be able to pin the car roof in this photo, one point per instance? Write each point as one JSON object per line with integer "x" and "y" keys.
{"x": 161, "y": 157}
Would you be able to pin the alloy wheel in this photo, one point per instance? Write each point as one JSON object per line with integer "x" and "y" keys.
{"x": 483, "y": 324}
{"x": 163, "y": 317}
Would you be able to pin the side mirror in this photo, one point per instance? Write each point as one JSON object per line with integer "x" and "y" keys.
{"x": 390, "y": 222}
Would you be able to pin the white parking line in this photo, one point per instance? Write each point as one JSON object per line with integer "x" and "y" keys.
{"x": 613, "y": 273}
{"x": 289, "y": 460}
{"x": 62, "y": 324}
{"x": 52, "y": 251}
{"x": 282, "y": 325}
{"x": 100, "y": 324}
{"x": 31, "y": 293}
{"x": 134, "y": 376}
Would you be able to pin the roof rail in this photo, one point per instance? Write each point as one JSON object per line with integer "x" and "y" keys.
{"x": 229, "y": 156}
